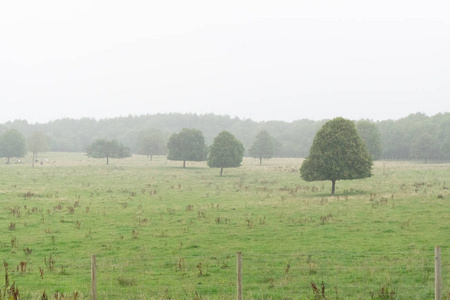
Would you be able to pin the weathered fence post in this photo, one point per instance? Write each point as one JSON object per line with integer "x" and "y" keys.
{"x": 93, "y": 278}
{"x": 239, "y": 275}
{"x": 437, "y": 273}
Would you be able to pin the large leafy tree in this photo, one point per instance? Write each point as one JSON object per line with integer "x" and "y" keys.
{"x": 370, "y": 136}
{"x": 151, "y": 142}
{"x": 225, "y": 152}
{"x": 187, "y": 145}
{"x": 103, "y": 148}
{"x": 337, "y": 153}
{"x": 12, "y": 144}
{"x": 263, "y": 146}
{"x": 37, "y": 143}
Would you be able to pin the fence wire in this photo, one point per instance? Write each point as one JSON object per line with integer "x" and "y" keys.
{"x": 375, "y": 275}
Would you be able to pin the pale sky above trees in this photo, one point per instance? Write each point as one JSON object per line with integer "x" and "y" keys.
{"x": 263, "y": 60}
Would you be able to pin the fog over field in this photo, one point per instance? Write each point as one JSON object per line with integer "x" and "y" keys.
{"x": 260, "y": 60}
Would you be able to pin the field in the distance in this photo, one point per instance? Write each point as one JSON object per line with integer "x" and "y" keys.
{"x": 163, "y": 232}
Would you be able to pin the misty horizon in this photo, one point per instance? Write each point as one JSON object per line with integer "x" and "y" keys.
{"x": 206, "y": 114}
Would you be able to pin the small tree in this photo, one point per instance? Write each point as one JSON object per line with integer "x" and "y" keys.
{"x": 102, "y": 148}
{"x": 12, "y": 144}
{"x": 188, "y": 145}
{"x": 225, "y": 152}
{"x": 150, "y": 142}
{"x": 263, "y": 146}
{"x": 37, "y": 143}
{"x": 337, "y": 153}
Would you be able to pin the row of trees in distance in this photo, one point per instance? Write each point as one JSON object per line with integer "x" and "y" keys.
{"x": 338, "y": 151}
{"x": 187, "y": 145}
{"x": 14, "y": 145}
{"x": 416, "y": 136}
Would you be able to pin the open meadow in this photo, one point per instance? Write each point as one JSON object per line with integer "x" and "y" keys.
{"x": 163, "y": 232}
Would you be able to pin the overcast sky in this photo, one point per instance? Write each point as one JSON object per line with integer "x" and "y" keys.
{"x": 263, "y": 60}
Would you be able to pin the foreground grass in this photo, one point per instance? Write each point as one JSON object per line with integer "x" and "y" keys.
{"x": 161, "y": 231}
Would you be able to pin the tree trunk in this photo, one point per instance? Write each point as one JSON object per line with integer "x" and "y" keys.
{"x": 107, "y": 160}
{"x": 34, "y": 155}
{"x": 333, "y": 186}
{"x": 184, "y": 164}
{"x": 260, "y": 161}
{"x": 221, "y": 171}
{"x": 7, "y": 160}
{"x": 151, "y": 157}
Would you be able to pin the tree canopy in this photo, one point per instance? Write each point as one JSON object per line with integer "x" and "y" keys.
{"x": 12, "y": 144}
{"x": 295, "y": 138}
{"x": 187, "y": 145}
{"x": 263, "y": 147}
{"x": 337, "y": 153}
{"x": 425, "y": 147}
{"x": 370, "y": 135}
{"x": 103, "y": 148}
{"x": 225, "y": 152}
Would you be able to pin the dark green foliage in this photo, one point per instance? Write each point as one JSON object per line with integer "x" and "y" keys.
{"x": 188, "y": 145}
{"x": 397, "y": 137}
{"x": 151, "y": 142}
{"x": 425, "y": 147}
{"x": 12, "y": 144}
{"x": 370, "y": 135}
{"x": 263, "y": 147}
{"x": 107, "y": 148}
{"x": 225, "y": 152}
{"x": 337, "y": 153}
{"x": 400, "y": 138}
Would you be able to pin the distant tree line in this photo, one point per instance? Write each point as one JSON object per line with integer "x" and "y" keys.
{"x": 416, "y": 136}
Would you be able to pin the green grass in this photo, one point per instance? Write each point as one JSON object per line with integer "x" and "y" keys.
{"x": 160, "y": 231}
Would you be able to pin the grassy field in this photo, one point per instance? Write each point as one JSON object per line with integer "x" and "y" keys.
{"x": 163, "y": 232}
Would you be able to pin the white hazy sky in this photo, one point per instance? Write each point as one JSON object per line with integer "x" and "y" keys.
{"x": 264, "y": 60}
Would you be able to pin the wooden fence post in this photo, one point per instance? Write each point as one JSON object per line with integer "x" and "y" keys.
{"x": 239, "y": 275}
{"x": 93, "y": 278}
{"x": 437, "y": 273}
